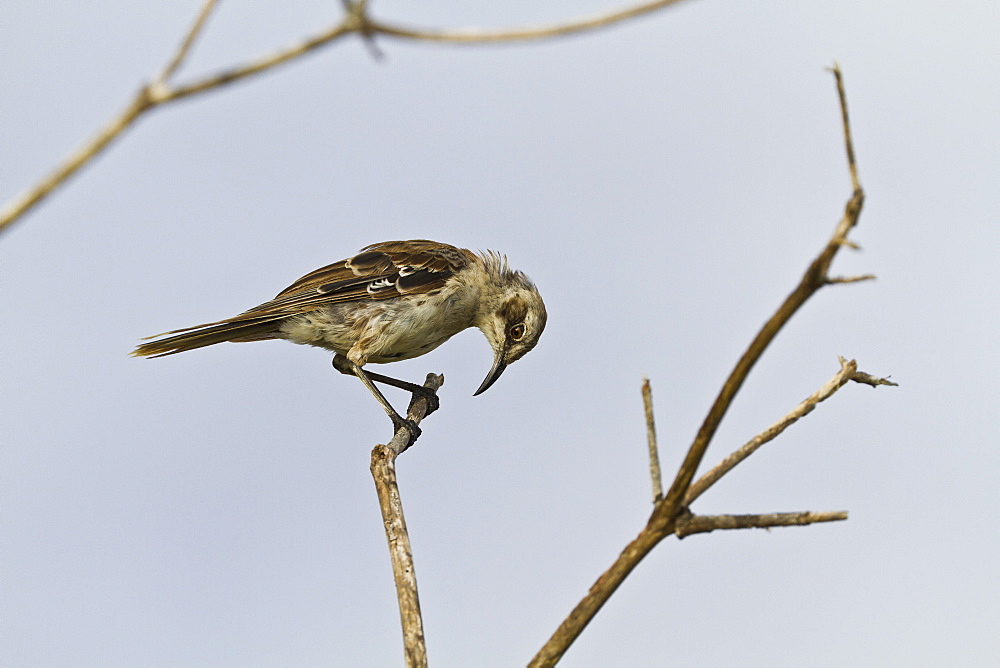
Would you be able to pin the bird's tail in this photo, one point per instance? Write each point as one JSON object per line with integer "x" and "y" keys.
{"x": 199, "y": 336}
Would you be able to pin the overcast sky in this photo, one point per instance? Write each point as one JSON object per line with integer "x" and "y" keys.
{"x": 664, "y": 182}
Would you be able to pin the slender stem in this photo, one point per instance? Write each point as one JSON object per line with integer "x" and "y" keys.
{"x": 487, "y": 35}
{"x": 383, "y": 468}
{"x": 160, "y": 91}
{"x": 185, "y": 48}
{"x": 692, "y": 524}
{"x": 256, "y": 66}
{"x": 815, "y": 277}
{"x": 847, "y": 369}
{"x": 400, "y": 554}
{"x": 654, "y": 454}
{"x": 846, "y": 121}
{"x": 22, "y": 203}
{"x": 598, "y": 595}
{"x": 850, "y": 279}
{"x": 665, "y": 514}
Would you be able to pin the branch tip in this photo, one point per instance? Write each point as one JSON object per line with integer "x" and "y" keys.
{"x": 185, "y": 47}
{"x": 654, "y": 455}
{"x": 850, "y": 279}
{"x": 692, "y": 524}
{"x": 874, "y": 381}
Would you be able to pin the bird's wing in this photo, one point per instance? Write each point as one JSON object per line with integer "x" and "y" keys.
{"x": 380, "y": 271}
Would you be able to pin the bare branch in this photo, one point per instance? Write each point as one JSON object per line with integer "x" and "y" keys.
{"x": 845, "y": 119}
{"x": 259, "y": 65}
{"x": 654, "y": 455}
{"x": 692, "y": 524}
{"x": 188, "y": 42}
{"x": 847, "y": 370}
{"x": 850, "y": 279}
{"x": 160, "y": 91}
{"x": 599, "y": 593}
{"x": 359, "y": 11}
{"x": 141, "y": 103}
{"x": 487, "y": 35}
{"x": 18, "y": 206}
{"x": 383, "y": 468}
{"x": 874, "y": 381}
{"x": 815, "y": 277}
{"x": 665, "y": 514}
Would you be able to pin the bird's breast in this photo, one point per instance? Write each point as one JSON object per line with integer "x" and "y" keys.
{"x": 412, "y": 327}
{"x": 386, "y": 330}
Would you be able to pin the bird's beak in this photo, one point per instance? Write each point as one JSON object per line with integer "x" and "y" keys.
{"x": 498, "y": 366}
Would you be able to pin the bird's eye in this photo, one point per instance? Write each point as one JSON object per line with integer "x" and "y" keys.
{"x": 517, "y": 332}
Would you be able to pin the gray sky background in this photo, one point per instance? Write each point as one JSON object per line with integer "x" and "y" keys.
{"x": 664, "y": 182}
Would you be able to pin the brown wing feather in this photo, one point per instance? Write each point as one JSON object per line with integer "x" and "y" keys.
{"x": 401, "y": 267}
{"x": 379, "y": 271}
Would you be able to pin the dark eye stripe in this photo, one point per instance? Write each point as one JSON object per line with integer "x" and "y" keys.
{"x": 514, "y": 310}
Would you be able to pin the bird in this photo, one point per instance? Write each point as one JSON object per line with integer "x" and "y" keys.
{"x": 391, "y": 301}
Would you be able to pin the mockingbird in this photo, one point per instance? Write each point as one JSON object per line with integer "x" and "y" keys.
{"x": 392, "y": 301}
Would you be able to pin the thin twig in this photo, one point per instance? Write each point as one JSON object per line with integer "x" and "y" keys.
{"x": 847, "y": 370}
{"x": 145, "y": 99}
{"x": 383, "y": 468}
{"x": 815, "y": 277}
{"x": 654, "y": 455}
{"x": 23, "y": 202}
{"x": 874, "y": 381}
{"x": 160, "y": 91}
{"x": 845, "y": 119}
{"x": 663, "y": 520}
{"x": 692, "y": 524}
{"x": 850, "y": 279}
{"x": 487, "y": 35}
{"x": 599, "y": 592}
{"x": 359, "y": 11}
{"x": 185, "y": 47}
{"x": 258, "y": 65}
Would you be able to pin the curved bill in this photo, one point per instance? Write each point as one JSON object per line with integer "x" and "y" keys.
{"x": 498, "y": 366}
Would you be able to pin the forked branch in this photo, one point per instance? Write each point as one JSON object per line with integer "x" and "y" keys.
{"x": 848, "y": 372}
{"x": 356, "y": 20}
{"x": 672, "y": 508}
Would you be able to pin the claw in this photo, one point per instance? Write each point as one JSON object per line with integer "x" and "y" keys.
{"x": 433, "y": 402}
{"x": 399, "y": 423}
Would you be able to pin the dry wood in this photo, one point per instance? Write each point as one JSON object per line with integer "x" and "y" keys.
{"x": 356, "y": 20}
{"x": 669, "y": 511}
{"x": 692, "y": 524}
{"x": 383, "y": 469}
{"x": 654, "y": 453}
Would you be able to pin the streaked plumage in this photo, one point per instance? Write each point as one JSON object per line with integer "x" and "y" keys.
{"x": 392, "y": 301}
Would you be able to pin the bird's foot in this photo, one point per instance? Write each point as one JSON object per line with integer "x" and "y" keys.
{"x": 402, "y": 424}
{"x": 341, "y": 364}
{"x": 421, "y": 392}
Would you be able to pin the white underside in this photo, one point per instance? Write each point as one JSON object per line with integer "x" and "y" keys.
{"x": 385, "y": 331}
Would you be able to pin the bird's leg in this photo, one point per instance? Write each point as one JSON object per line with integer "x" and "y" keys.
{"x": 345, "y": 366}
{"x": 398, "y": 421}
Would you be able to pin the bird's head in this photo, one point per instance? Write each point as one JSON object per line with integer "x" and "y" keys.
{"x": 512, "y": 318}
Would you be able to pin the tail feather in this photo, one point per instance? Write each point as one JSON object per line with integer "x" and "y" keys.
{"x": 256, "y": 329}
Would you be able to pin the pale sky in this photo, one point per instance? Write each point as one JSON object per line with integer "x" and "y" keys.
{"x": 664, "y": 182}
